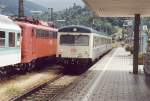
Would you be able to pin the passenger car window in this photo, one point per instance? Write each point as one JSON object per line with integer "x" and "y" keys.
{"x": 2, "y": 39}
{"x": 11, "y": 39}
{"x": 18, "y": 39}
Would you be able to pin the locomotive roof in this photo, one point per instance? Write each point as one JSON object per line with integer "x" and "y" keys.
{"x": 7, "y": 24}
{"x": 30, "y": 25}
{"x": 77, "y": 28}
{"x": 80, "y": 29}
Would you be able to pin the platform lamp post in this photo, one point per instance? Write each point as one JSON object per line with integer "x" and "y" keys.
{"x": 93, "y": 22}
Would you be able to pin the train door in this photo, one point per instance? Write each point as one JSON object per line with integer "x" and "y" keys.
{"x": 54, "y": 38}
{"x": 33, "y": 38}
{"x": 27, "y": 45}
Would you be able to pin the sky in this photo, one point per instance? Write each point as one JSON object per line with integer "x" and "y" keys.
{"x": 58, "y": 4}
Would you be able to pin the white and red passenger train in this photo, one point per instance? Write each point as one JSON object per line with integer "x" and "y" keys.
{"x": 80, "y": 46}
{"x": 23, "y": 43}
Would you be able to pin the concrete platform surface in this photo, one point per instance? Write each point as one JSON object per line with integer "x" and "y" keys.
{"x": 110, "y": 79}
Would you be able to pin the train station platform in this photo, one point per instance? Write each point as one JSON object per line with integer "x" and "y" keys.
{"x": 110, "y": 79}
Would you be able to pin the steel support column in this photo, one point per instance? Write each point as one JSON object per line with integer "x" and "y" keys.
{"x": 136, "y": 43}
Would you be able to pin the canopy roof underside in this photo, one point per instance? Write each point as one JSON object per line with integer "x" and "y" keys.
{"x": 119, "y": 8}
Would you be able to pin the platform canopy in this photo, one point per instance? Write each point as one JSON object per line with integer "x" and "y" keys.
{"x": 119, "y": 8}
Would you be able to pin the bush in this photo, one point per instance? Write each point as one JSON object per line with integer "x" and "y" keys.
{"x": 128, "y": 48}
{"x": 148, "y": 42}
{"x": 131, "y": 49}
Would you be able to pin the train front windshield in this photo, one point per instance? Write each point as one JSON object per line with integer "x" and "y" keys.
{"x": 75, "y": 40}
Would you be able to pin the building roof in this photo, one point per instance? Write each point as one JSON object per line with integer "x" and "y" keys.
{"x": 119, "y": 8}
{"x": 7, "y": 24}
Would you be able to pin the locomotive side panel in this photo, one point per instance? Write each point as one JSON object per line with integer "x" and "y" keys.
{"x": 45, "y": 43}
{"x": 27, "y": 44}
{"x": 37, "y": 42}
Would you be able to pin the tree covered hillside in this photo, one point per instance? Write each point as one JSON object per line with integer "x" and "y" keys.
{"x": 10, "y": 7}
{"x": 77, "y": 15}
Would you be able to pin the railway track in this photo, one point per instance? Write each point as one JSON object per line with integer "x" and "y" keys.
{"x": 47, "y": 91}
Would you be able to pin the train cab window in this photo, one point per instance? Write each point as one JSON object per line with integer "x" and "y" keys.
{"x": 77, "y": 40}
{"x": 2, "y": 39}
{"x": 11, "y": 39}
{"x": 82, "y": 40}
{"x": 66, "y": 39}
